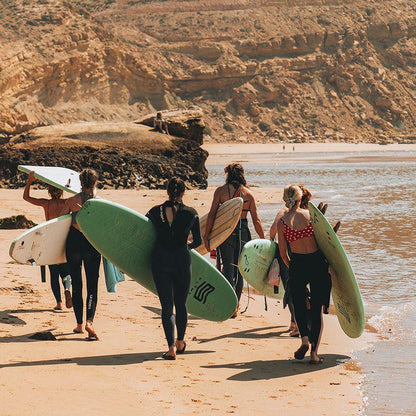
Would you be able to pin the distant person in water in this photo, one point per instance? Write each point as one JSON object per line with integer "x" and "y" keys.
{"x": 79, "y": 251}
{"x": 229, "y": 251}
{"x": 160, "y": 124}
{"x": 171, "y": 262}
{"x": 284, "y": 271}
{"x": 53, "y": 207}
{"x": 307, "y": 265}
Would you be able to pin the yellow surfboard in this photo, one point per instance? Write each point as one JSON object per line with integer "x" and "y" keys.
{"x": 225, "y": 221}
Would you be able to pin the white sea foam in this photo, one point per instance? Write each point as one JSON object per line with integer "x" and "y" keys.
{"x": 397, "y": 322}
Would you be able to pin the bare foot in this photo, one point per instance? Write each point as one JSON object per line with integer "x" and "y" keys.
{"x": 170, "y": 354}
{"x": 303, "y": 349}
{"x": 58, "y": 306}
{"x": 294, "y": 332}
{"x": 234, "y": 315}
{"x": 92, "y": 336}
{"x": 78, "y": 329}
{"x": 180, "y": 346}
{"x": 68, "y": 299}
{"x": 315, "y": 359}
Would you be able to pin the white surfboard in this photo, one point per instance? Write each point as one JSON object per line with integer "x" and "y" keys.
{"x": 43, "y": 244}
{"x": 225, "y": 221}
{"x": 62, "y": 178}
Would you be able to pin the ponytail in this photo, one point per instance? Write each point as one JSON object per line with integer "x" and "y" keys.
{"x": 235, "y": 175}
{"x": 176, "y": 187}
{"x": 292, "y": 194}
{"x": 306, "y": 197}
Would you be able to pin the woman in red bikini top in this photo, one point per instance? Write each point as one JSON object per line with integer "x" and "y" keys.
{"x": 307, "y": 266}
{"x": 295, "y": 226}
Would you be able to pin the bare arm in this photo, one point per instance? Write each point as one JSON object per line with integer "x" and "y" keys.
{"x": 73, "y": 204}
{"x": 41, "y": 202}
{"x": 254, "y": 216}
{"x": 211, "y": 216}
{"x": 282, "y": 244}
{"x": 273, "y": 228}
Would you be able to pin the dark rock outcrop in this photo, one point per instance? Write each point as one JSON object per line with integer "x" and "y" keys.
{"x": 126, "y": 155}
{"x": 16, "y": 222}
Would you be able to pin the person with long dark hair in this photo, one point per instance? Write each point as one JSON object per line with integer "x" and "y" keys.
{"x": 171, "y": 262}
{"x": 79, "y": 251}
{"x": 307, "y": 266}
{"x": 53, "y": 208}
{"x": 229, "y": 251}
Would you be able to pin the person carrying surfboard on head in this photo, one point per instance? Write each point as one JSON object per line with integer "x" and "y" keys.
{"x": 171, "y": 262}
{"x": 307, "y": 265}
{"x": 79, "y": 251}
{"x": 229, "y": 251}
{"x": 53, "y": 207}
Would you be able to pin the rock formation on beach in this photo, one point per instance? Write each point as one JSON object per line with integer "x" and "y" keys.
{"x": 260, "y": 70}
{"x": 125, "y": 154}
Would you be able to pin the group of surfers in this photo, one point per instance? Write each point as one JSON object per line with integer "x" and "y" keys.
{"x": 303, "y": 268}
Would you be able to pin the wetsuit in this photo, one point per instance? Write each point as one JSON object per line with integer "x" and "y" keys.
{"x": 309, "y": 269}
{"x": 284, "y": 275}
{"x": 171, "y": 264}
{"x": 230, "y": 249}
{"x": 61, "y": 270}
{"x": 79, "y": 250}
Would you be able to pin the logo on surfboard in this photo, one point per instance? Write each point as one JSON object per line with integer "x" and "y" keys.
{"x": 203, "y": 291}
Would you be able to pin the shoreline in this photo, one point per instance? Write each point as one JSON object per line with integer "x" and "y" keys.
{"x": 329, "y": 147}
{"x": 311, "y": 153}
{"x": 229, "y": 367}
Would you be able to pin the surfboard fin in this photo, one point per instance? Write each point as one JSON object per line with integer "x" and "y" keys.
{"x": 336, "y": 226}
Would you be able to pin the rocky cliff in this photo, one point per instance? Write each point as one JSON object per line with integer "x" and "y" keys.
{"x": 260, "y": 69}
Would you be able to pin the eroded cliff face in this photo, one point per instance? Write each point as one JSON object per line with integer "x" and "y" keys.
{"x": 261, "y": 70}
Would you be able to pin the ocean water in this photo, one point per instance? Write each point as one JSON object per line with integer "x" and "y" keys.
{"x": 374, "y": 196}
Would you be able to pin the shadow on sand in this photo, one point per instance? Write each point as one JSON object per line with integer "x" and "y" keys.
{"x": 158, "y": 312}
{"x": 7, "y": 317}
{"x": 254, "y": 333}
{"x": 111, "y": 360}
{"x": 267, "y": 370}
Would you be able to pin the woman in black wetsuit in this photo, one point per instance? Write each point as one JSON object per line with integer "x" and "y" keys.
{"x": 230, "y": 249}
{"x": 79, "y": 251}
{"x": 171, "y": 262}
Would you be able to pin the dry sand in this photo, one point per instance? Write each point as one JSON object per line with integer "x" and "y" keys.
{"x": 242, "y": 366}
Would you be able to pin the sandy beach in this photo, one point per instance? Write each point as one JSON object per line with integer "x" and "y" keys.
{"x": 242, "y": 366}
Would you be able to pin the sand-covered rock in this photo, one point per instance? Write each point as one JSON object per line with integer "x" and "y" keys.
{"x": 126, "y": 155}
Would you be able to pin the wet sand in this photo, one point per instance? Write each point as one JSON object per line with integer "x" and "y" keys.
{"x": 242, "y": 366}
{"x": 222, "y": 153}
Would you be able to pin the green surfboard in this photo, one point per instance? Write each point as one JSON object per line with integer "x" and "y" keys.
{"x": 345, "y": 291}
{"x": 126, "y": 238}
{"x": 253, "y": 264}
